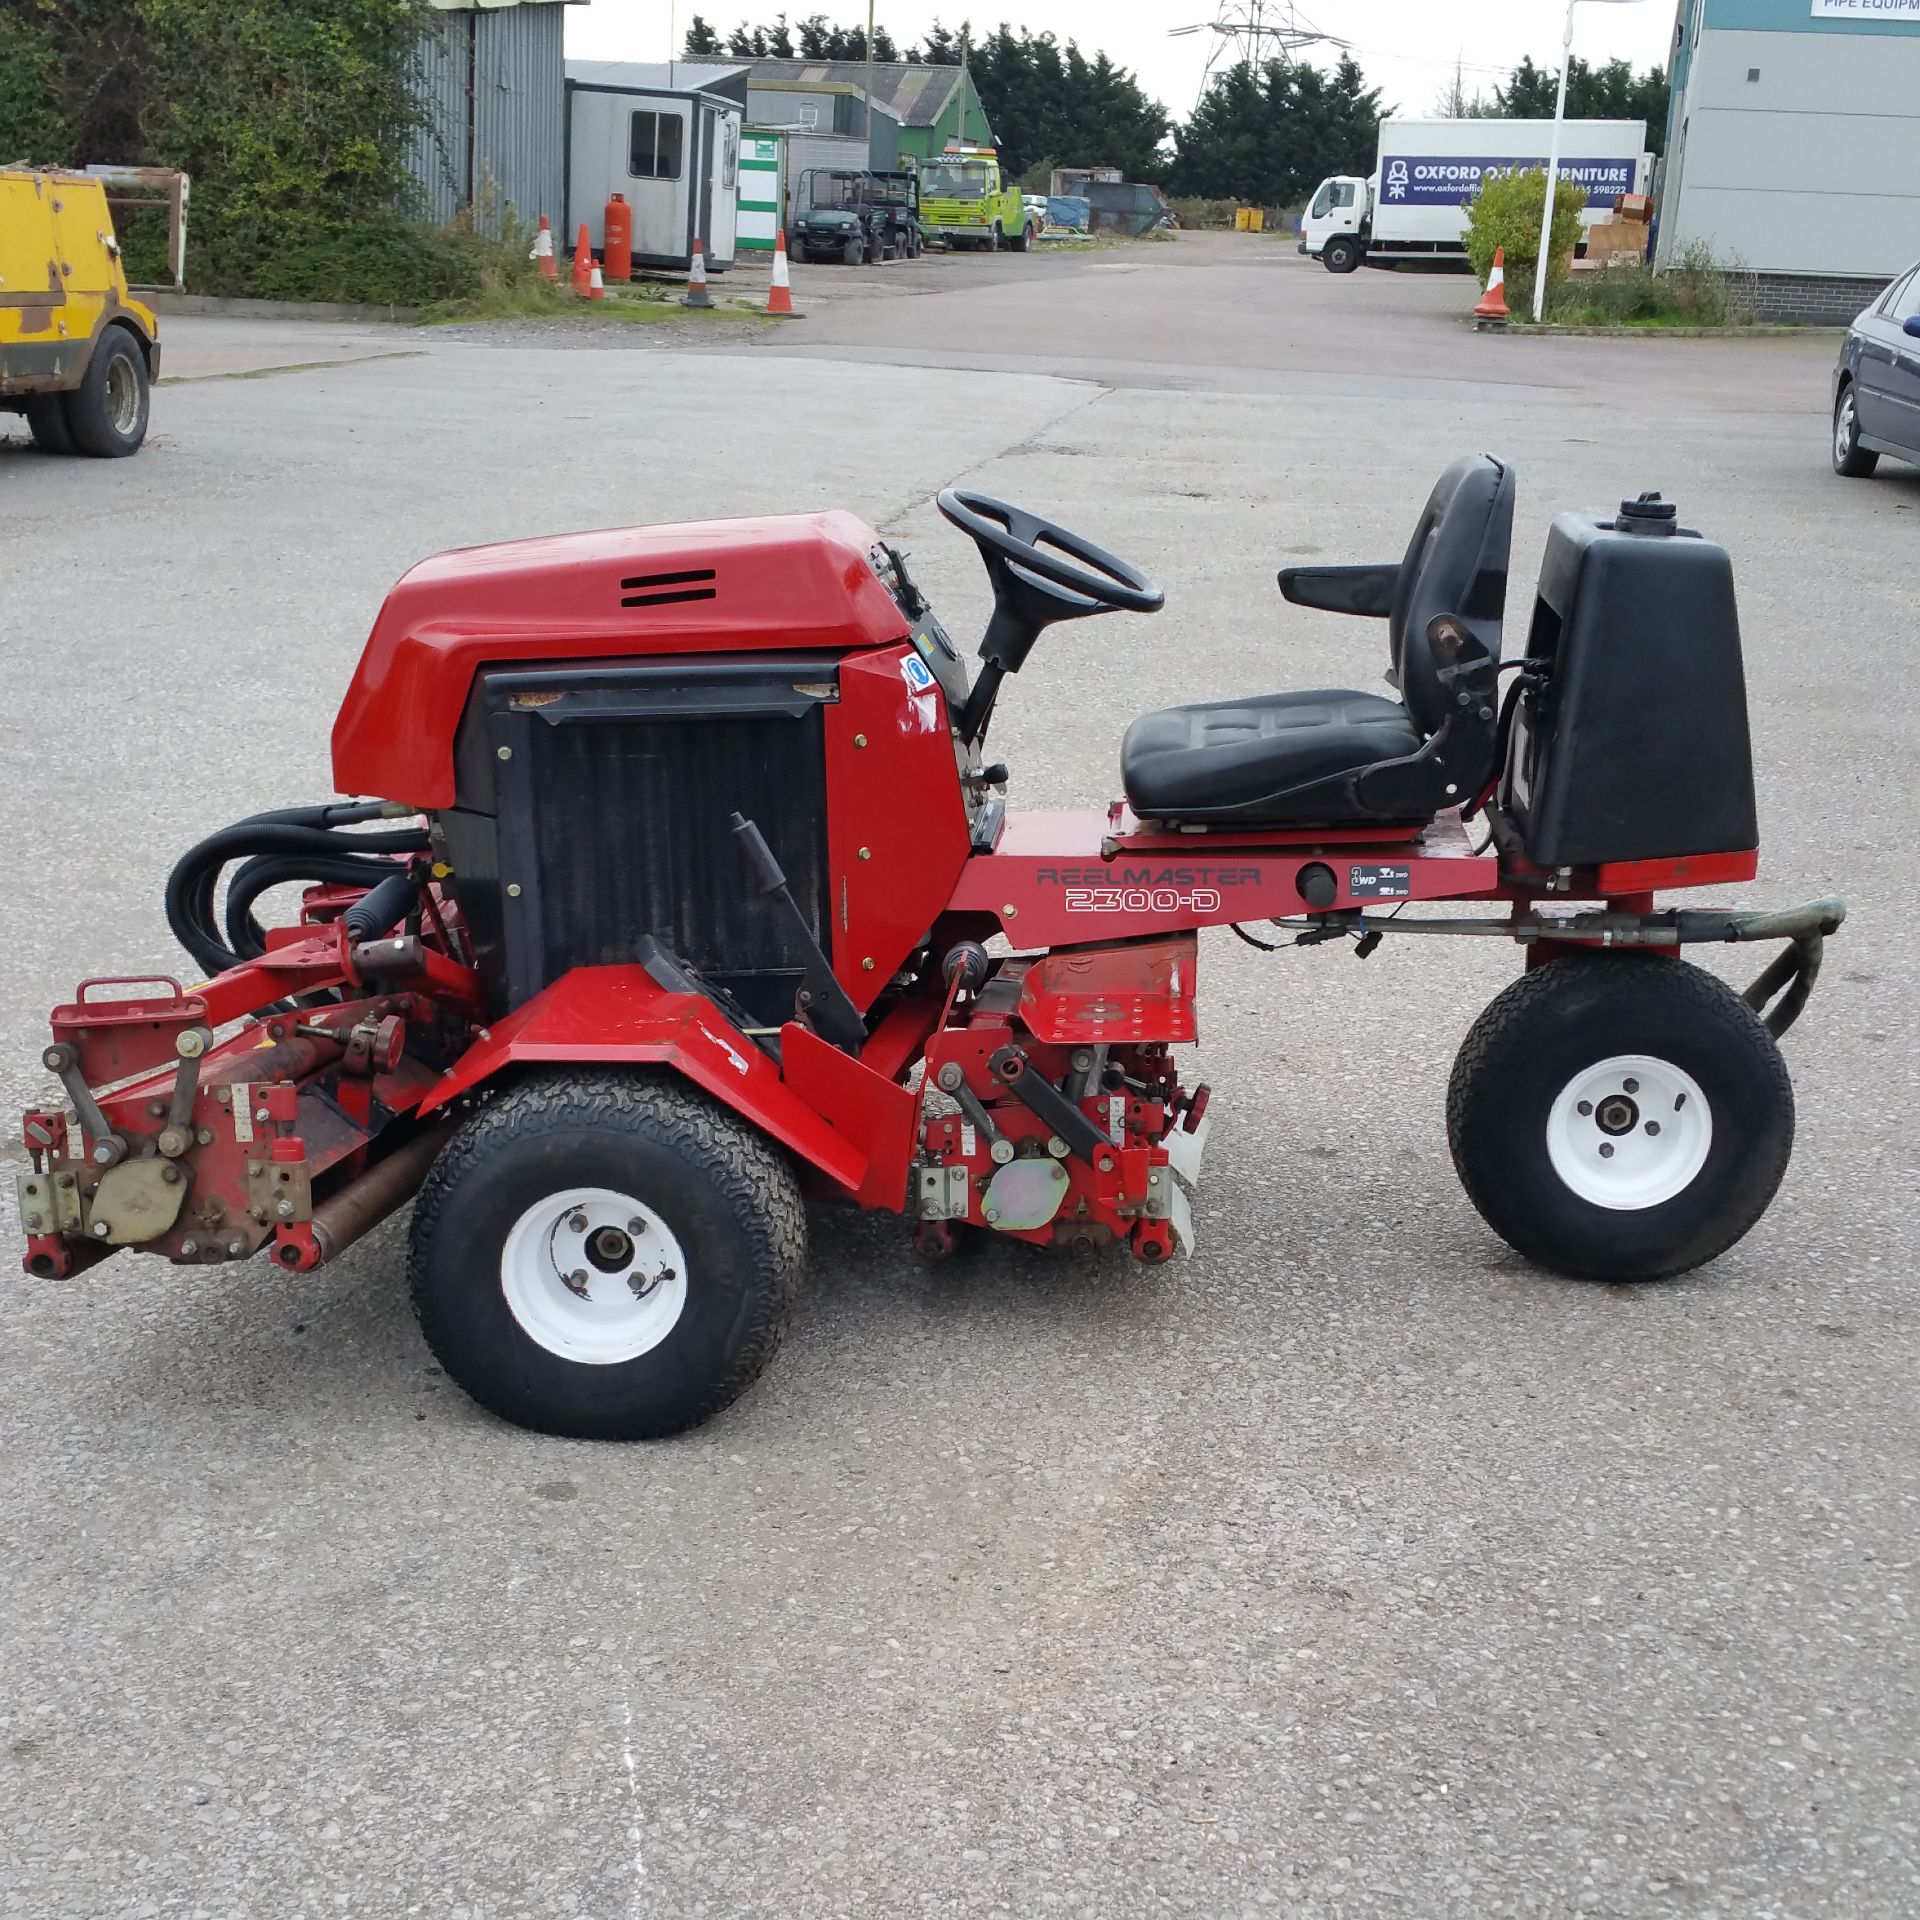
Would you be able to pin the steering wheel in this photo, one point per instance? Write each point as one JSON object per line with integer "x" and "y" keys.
{"x": 1016, "y": 538}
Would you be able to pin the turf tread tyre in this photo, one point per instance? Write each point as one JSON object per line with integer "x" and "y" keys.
{"x": 750, "y": 1180}
{"x": 1506, "y": 1076}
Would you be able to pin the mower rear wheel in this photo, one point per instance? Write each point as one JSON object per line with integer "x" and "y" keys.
{"x": 606, "y": 1255}
{"x": 1620, "y": 1116}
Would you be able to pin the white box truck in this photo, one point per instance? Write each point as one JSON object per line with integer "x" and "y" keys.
{"x": 1413, "y": 205}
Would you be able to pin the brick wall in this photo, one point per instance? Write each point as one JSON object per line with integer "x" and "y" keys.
{"x": 1813, "y": 299}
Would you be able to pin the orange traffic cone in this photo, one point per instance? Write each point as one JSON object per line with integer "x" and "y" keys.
{"x": 697, "y": 294}
{"x": 1492, "y": 310}
{"x": 582, "y": 263}
{"x": 596, "y": 285}
{"x": 543, "y": 251}
{"x": 779, "y": 289}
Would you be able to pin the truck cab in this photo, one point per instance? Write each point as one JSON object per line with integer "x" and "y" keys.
{"x": 1338, "y": 222}
{"x": 966, "y": 201}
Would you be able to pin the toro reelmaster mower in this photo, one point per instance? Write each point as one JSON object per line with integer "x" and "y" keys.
{"x": 699, "y": 898}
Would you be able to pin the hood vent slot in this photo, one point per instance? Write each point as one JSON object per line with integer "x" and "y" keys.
{"x": 665, "y": 589}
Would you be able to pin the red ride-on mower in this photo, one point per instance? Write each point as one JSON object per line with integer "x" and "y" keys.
{"x": 686, "y": 915}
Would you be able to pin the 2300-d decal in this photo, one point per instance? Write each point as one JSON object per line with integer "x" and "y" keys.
{"x": 1143, "y": 900}
{"x": 1145, "y": 889}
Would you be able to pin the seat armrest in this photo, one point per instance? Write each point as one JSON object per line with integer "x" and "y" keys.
{"x": 1363, "y": 590}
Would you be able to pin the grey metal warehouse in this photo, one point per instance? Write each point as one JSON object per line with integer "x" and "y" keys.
{"x": 492, "y": 78}
{"x": 1793, "y": 147}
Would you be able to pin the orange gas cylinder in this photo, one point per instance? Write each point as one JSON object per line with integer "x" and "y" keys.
{"x": 617, "y": 251}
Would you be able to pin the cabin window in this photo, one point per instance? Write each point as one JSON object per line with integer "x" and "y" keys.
{"x": 653, "y": 145}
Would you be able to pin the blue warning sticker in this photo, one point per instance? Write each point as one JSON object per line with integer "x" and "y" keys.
{"x": 915, "y": 672}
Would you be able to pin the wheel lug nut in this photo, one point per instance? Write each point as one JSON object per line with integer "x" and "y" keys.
{"x": 578, "y": 1223}
{"x": 636, "y": 1226}
{"x": 1653, "y": 1126}
{"x": 1584, "y": 1109}
{"x": 1630, "y": 1086}
{"x": 1606, "y": 1150}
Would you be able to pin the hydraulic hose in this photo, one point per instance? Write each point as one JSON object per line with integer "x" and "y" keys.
{"x": 245, "y": 936}
{"x": 383, "y": 907}
{"x": 292, "y": 843}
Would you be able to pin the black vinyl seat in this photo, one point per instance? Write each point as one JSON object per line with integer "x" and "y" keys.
{"x": 1333, "y": 756}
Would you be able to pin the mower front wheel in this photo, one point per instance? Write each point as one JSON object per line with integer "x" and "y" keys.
{"x": 606, "y": 1255}
{"x": 1620, "y": 1116}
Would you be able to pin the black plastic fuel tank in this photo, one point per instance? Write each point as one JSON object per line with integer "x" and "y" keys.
{"x": 1629, "y": 741}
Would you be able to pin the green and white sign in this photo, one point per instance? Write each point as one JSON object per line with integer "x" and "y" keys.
{"x": 761, "y": 162}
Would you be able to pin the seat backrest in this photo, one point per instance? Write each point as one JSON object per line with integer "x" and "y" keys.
{"x": 1456, "y": 563}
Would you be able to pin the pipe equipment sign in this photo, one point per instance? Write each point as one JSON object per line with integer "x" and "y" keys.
{"x": 1867, "y": 10}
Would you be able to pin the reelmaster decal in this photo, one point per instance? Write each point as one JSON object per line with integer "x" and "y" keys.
{"x": 1146, "y": 876}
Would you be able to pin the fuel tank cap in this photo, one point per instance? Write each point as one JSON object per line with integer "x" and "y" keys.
{"x": 1648, "y": 514}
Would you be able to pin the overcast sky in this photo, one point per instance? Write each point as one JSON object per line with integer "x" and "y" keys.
{"x": 1408, "y": 47}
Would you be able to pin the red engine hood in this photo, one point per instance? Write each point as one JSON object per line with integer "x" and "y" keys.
{"x": 799, "y": 582}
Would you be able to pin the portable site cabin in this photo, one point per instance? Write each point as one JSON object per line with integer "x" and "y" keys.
{"x": 672, "y": 150}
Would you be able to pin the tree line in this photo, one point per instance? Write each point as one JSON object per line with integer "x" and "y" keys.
{"x": 1265, "y": 133}
{"x": 1611, "y": 91}
{"x": 1048, "y": 104}
{"x": 300, "y": 125}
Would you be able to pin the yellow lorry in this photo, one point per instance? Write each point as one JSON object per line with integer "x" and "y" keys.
{"x": 78, "y": 354}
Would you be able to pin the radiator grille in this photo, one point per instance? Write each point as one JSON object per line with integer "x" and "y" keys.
{"x": 632, "y": 831}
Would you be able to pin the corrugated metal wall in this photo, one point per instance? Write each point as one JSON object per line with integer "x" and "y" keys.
{"x": 806, "y": 151}
{"x": 439, "y": 158}
{"x": 493, "y": 83}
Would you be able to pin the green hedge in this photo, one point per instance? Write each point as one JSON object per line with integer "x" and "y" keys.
{"x": 296, "y": 119}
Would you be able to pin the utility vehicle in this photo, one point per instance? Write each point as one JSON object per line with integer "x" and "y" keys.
{"x": 698, "y": 897}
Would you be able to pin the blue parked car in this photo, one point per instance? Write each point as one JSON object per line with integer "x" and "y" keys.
{"x": 1876, "y": 386}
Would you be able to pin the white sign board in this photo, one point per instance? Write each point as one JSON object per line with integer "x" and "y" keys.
{"x": 1867, "y": 10}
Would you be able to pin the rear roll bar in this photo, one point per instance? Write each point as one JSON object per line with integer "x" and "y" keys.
{"x": 1777, "y": 996}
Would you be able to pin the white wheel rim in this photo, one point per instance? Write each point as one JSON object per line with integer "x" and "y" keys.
{"x": 593, "y": 1276}
{"x": 1843, "y": 426}
{"x": 1630, "y": 1132}
{"x": 123, "y": 394}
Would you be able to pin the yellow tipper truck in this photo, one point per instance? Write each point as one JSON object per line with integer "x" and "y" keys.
{"x": 78, "y": 353}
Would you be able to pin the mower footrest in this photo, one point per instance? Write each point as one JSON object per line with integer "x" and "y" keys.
{"x": 1184, "y": 1149}
{"x": 1180, "y": 1218}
